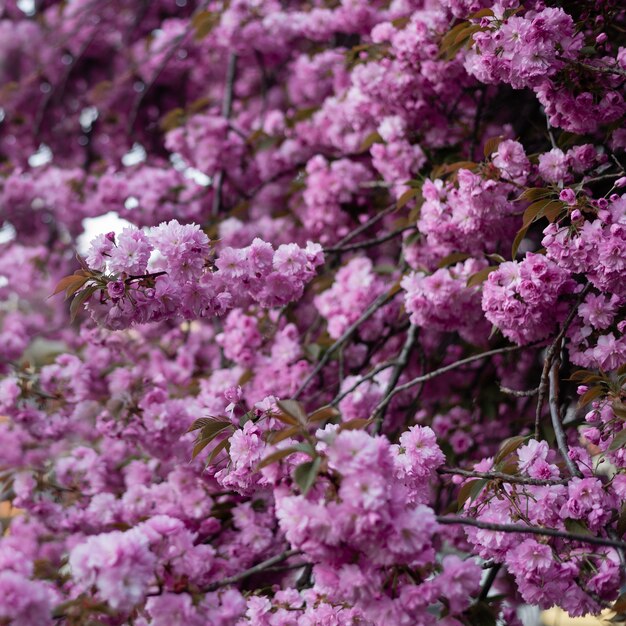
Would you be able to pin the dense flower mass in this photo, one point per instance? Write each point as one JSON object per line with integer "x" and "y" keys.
{"x": 311, "y": 313}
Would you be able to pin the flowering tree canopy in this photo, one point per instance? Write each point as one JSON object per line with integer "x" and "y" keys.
{"x": 357, "y": 354}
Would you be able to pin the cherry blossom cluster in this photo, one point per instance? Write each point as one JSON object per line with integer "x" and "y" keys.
{"x": 311, "y": 312}
{"x": 181, "y": 280}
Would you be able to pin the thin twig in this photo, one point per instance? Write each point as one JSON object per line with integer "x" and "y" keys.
{"x": 363, "y": 379}
{"x": 368, "y": 243}
{"x": 255, "y": 569}
{"x": 477, "y": 117}
{"x": 169, "y": 55}
{"x": 531, "y": 530}
{"x": 403, "y": 359}
{"x": 227, "y": 108}
{"x": 363, "y": 227}
{"x": 377, "y": 304}
{"x": 603, "y": 69}
{"x": 549, "y": 128}
{"x": 507, "y": 478}
{"x": 448, "y": 368}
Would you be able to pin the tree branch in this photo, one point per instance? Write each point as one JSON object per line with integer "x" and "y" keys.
{"x": 377, "y": 304}
{"x": 531, "y": 530}
{"x": 368, "y": 243}
{"x": 555, "y": 414}
{"x": 448, "y": 368}
{"x": 552, "y": 351}
{"x": 255, "y": 569}
{"x": 363, "y": 227}
{"x": 507, "y": 478}
{"x": 369, "y": 376}
{"x": 403, "y": 359}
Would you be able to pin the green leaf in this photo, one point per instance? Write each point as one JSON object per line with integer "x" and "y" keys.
{"x": 619, "y": 408}
{"x": 302, "y": 114}
{"x": 67, "y": 283}
{"x": 580, "y": 375}
{"x": 306, "y": 473}
{"x": 400, "y": 22}
{"x": 618, "y": 442}
{"x": 553, "y": 210}
{"x": 481, "y": 13}
{"x": 293, "y": 409}
{"x": 587, "y": 51}
{"x": 207, "y": 435}
{"x": 80, "y": 299}
{"x": 245, "y": 377}
{"x": 534, "y": 212}
{"x": 370, "y": 140}
{"x": 204, "y": 22}
{"x": 172, "y": 119}
{"x": 534, "y": 193}
{"x": 214, "y": 428}
{"x": 518, "y": 239}
{"x": 481, "y": 276}
{"x": 276, "y": 456}
{"x": 453, "y": 259}
{"x": 277, "y": 436}
{"x": 408, "y": 195}
{"x": 470, "y": 490}
{"x": 199, "y": 446}
{"x": 222, "y": 445}
{"x": 576, "y": 527}
{"x": 201, "y": 422}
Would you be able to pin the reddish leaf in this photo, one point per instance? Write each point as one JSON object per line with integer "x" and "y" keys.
{"x": 293, "y": 409}
{"x": 591, "y": 394}
{"x": 324, "y": 413}
{"x": 508, "y": 447}
{"x": 277, "y": 436}
{"x": 355, "y": 424}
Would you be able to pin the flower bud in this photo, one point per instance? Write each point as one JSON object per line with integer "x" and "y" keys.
{"x": 568, "y": 196}
{"x": 116, "y": 289}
